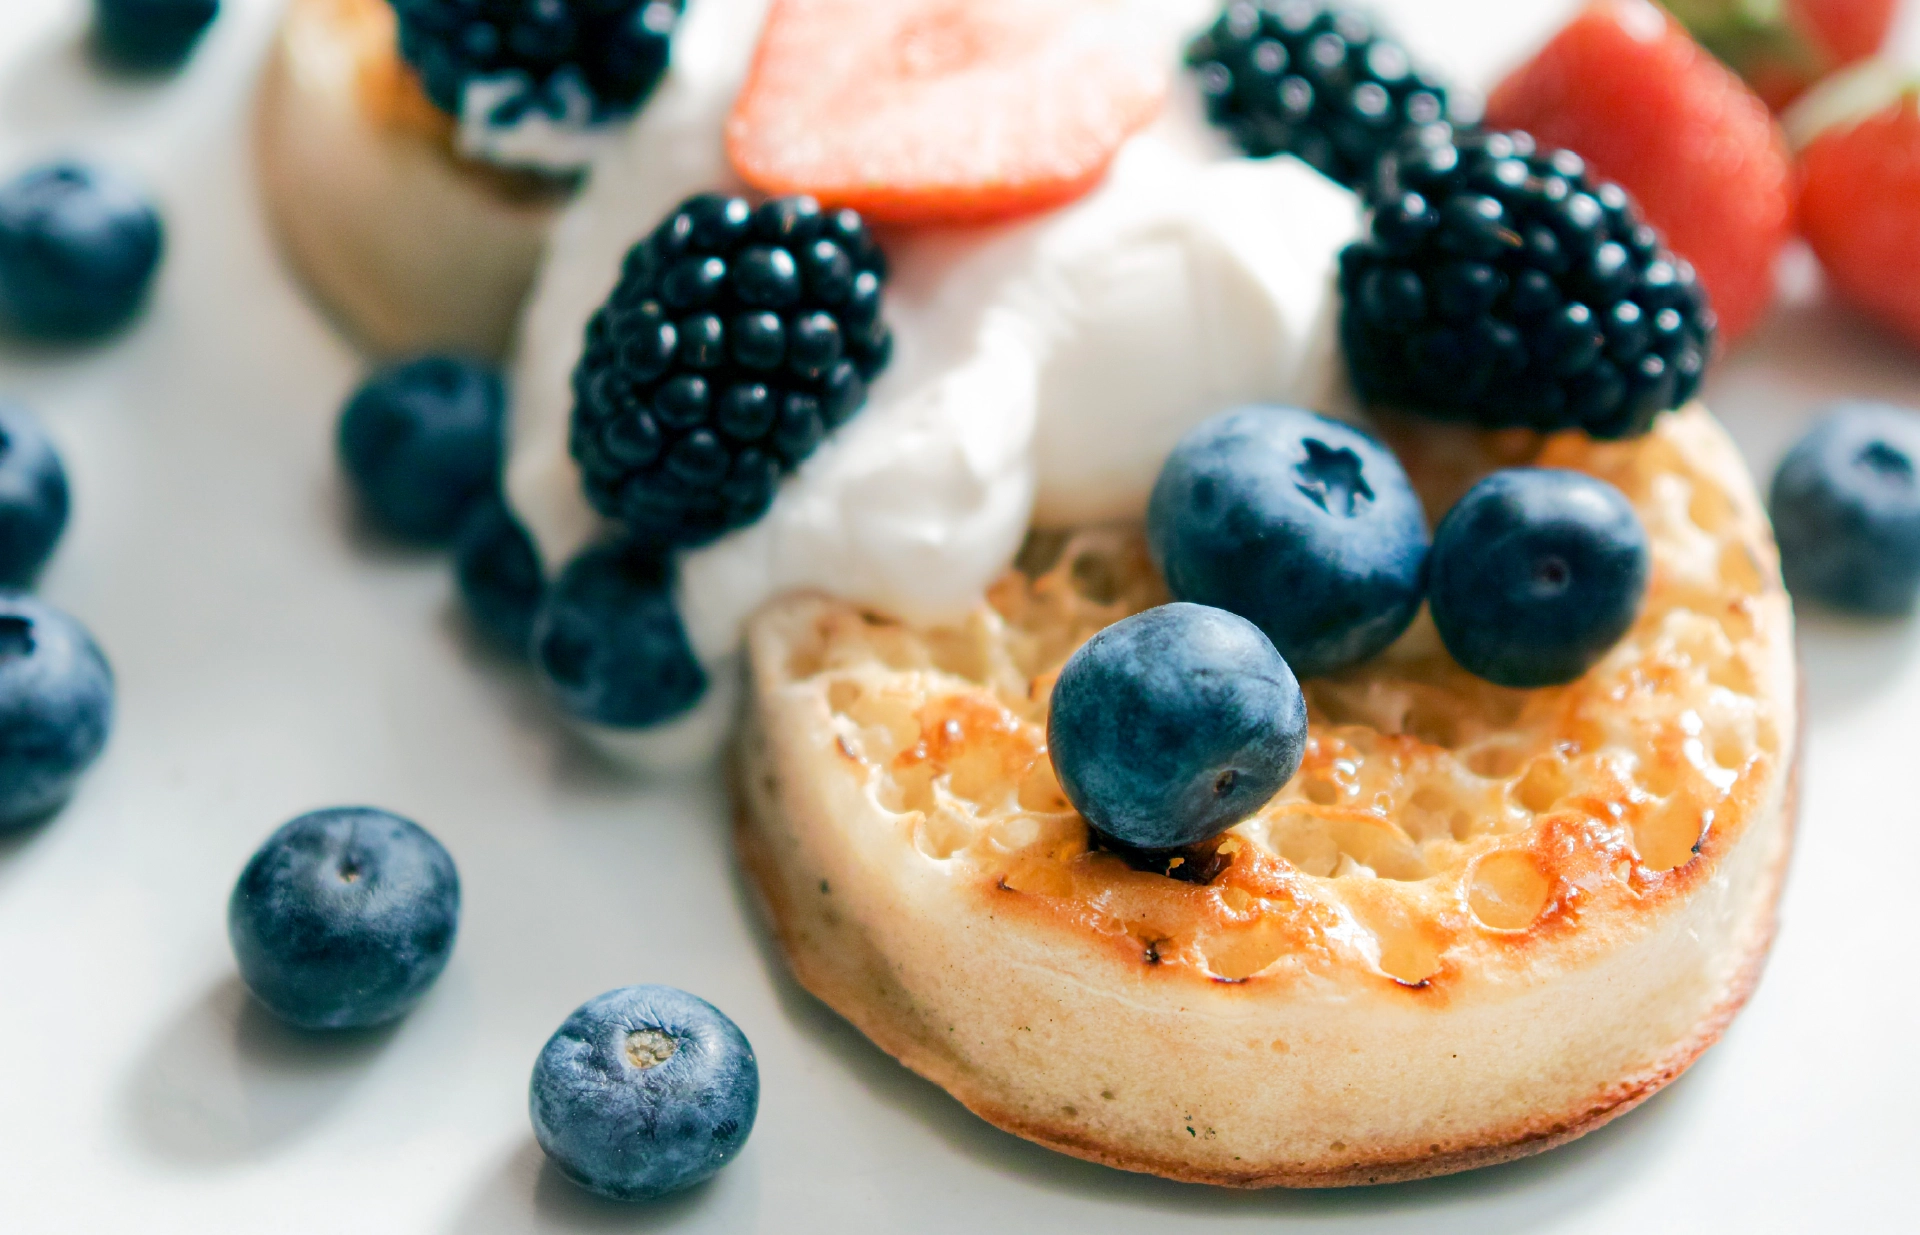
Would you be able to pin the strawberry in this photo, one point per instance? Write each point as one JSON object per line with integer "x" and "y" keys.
{"x": 1860, "y": 205}
{"x": 1784, "y": 47}
{"x": 1625, "y": 86}
{"x": 942, "y": 111}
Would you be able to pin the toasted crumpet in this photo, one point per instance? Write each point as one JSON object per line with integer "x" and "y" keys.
{"x": 1478, "y": 923}
{"x": 410, "y": 246}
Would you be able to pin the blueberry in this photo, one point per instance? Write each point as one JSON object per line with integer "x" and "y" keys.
{"x": 151, "y": 34}
{"x": 78, "y": 248}
{"x": 1305, "y": 526}
{"x": 422, "y": 442}
{"x": 1846, "y": 509}
{"x": 33, "y": 496}
{"x": 344, "y": 918}
{"x": 1535, "y": 573}
{"x": 498, "y": 569}
{"x": 1174, "y": 724}
{"x": 56, "y": 707}
{"x": 644, "y": 1091}
{"x": 609, "y": 641}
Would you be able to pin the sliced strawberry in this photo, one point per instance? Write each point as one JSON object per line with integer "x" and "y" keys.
{"x": 1624, "y": 85}
{"x": 1860, "y": 204}
{"x": 1781, "y": 49}
{"x": 1850, "y": 30}
{"x": 942, "y": 111}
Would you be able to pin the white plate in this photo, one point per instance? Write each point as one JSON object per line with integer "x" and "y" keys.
{"x": 272, "y": 658}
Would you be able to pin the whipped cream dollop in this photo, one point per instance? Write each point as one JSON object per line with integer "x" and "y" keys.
{"x": 1042, "y": 368}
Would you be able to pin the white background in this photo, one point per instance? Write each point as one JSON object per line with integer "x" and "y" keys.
{"x": 272, "y": 657}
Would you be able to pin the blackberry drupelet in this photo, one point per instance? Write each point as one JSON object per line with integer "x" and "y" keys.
{"x": 1501, "y": 285}
{"x": 736, "y": 339}
{"x": 607, "y": 53}
{"x": 1312, "y": 79}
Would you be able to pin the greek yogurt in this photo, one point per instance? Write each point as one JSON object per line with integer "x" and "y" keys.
{"x": 1042, "y": 368}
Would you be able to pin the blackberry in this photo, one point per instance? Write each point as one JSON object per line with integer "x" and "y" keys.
{"x": 1312, "y": 79}
{"x": 736, "y": 340}
{"x": 1502, "y": 285}
{"x": 603, "y": 57}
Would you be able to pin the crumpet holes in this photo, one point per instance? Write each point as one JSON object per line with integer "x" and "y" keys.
{"x": 1730, "y": 672}
{"x": 1545, "y": 783}
{"x": 1040, "y": 790}
{"x": 1709, "y": 509}
{"x": 842, "y": 695}
{"x": 1730, "y": 750}
{"x": 1095, "y": 578}
{"x": 1041, "y": 551}
{"x": 939, "y": 834}
{"x": 1506, "y": 891}
{"x": 1739, "y": 569}
{"x": 1407, "y": 954}
{"x": 1240, "y": 954}
{"x": 1666, "y": 835}
{"x": 1346, "y": 845}
{"x": 1321, "y": 791}
{"x": 1496, "y": 761}
{"x": 1017, "y": 832}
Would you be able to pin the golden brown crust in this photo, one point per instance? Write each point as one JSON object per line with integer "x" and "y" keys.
{"x": 1478, "y": 924}
{"x": 1534, "y": 1136}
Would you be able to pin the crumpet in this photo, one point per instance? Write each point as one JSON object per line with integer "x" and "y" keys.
{"x": 1477, "y": 923}
{"x": 409, "y": 245}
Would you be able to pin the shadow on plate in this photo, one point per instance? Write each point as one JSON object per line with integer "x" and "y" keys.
{"x": 16, "y": 840}
{"x": 527, "y": 1194}
{"x": 225, "y": 1081}
{"x": 573, "y": 761}
{"x": 1517, "y": 1196}
{"x": 1849, "y": 661}
{"x": 63, "y": 83}
{"x": 367, "y": 540}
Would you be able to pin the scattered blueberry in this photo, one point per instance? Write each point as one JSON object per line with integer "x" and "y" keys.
{"x": 344, "y": 918}
{"x": 1312, "y": 79}
{"x": 644, "y": 1091}
{"x": 603, "y": 57}
{"x": 78, "y": 248}
{"x": 1174, "y": 724}
{"x": 1305, "y": 526}
{"x": 1846, "y": 509}
{"x": 56, "y": 707}
{"x": 423, "y": 442}
{"x": 738, "y": 337}
{"x": 609, "y": 641}
{"x": 1504, "y": 285}
{"x": 1535, "y": 573}
{"x": 151, "y": 34}
{"x": 498, "y": 567}
{"x": 33, "y": 496}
